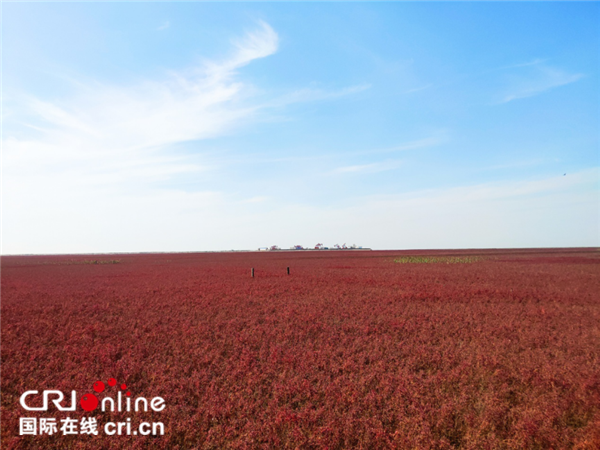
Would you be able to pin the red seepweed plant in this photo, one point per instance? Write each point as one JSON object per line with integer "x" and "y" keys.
{"x": 447, "y": 349}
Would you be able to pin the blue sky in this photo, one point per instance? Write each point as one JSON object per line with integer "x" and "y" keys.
{"x": 213, "y": 126}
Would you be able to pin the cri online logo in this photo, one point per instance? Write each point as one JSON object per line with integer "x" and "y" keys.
{"x": 90, "y": 402}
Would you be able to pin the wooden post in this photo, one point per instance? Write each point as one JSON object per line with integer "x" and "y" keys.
{"x": 252, "y": 272}
{"x": 288, "y": 270}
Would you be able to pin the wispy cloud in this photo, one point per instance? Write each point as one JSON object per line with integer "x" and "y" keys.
{"x": 256, "y": 44}
{"x": 515, "y": 81}
{"x": 114, "y": 128}
{"x": 533, "y": 62}
{"x": 420, "y": 88}
{"x": 519, "y": 164}
{"x": 488, "y": 192}
{"x": 502, "y": 214}
{"x": 164, "y": 26}
{"x": 314, "y": 94}
{"x": 106, "y": 132}
{"x": 431, "y": 141}
{"x": 112, "y": 144}
{"x": 535, "y": 78}
{"x": 368, "y": 168}
{"x": 106, "y": 121}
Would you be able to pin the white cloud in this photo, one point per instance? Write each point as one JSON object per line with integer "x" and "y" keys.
{"x": 417, "y": 89}
{"x": 313, "y": 94}
{"x": 251, "y": 159}
{"x": 114, "y": 129}
{"x": 120, "y": 127}
{"x": 431, "y": 141}
{"x": 494, "y": 191}
{"x": 534, "y": 79}
{"x": 533, "y": 62}
{"x": 94, "y": 170}
{"x": 368, "y": 168}
{"x": 557, "y": 211}
{"x": 256, "y": 44}
{"x": 546, "y": 212}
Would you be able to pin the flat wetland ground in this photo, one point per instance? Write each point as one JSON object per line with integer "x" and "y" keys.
{"x": 470, "y": 349}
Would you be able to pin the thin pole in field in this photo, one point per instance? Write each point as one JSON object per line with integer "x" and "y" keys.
{"x": 252, "y": 272}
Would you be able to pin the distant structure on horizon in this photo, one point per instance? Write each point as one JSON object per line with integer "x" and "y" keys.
{"x": 316, "y": 247}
